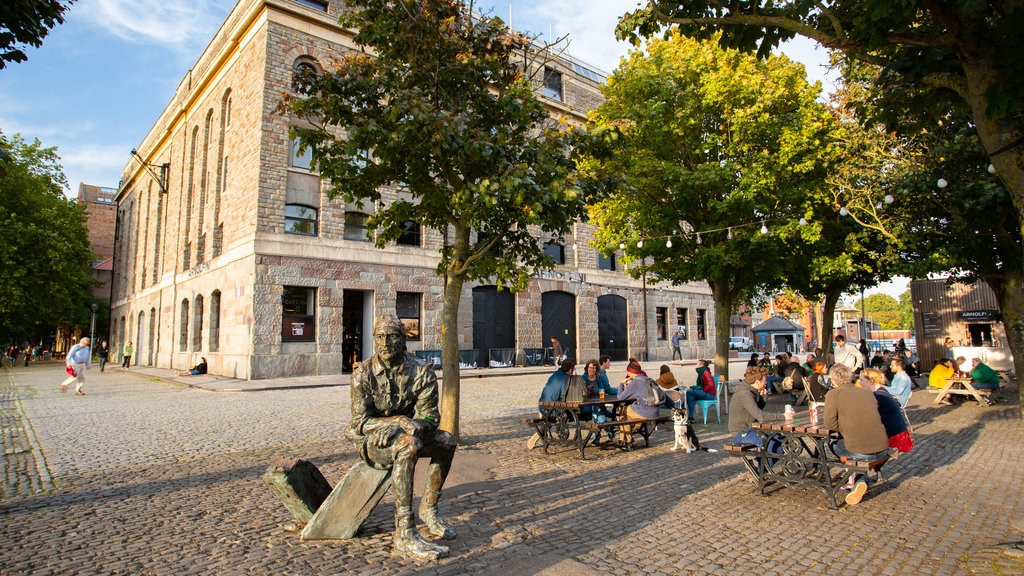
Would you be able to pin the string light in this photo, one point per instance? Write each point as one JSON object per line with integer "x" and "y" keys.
{"x": 640, "y": 244}
{"x": 729, "y": 235}
{"x": 942, "y": 183}
{"x": 698, "y": 238}
{"x": 843, "y": 211}
{"x": 764, "y": 228}
{"x": 991, "y": 169}
{"x": 668, "y": 244}
{"x": 687, "y": 230}
{"x": 889, "y": 199}
{"x": 803, "y": 221}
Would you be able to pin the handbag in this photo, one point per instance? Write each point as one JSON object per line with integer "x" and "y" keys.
{"x": 70, "y": 371}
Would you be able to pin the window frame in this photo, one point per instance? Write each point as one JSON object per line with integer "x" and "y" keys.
{"x": 364, "y": 227}
{"x": 298, "y": 219}
{"x": 410, "y": 237}
{"x": 661, "y": 322}
{"x": 295, "y": 322}
{"x": 409, "y": 309}
{"x": 552, "y": 86}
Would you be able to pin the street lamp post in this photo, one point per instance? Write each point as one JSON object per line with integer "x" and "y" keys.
{"x": 92, "y": 327}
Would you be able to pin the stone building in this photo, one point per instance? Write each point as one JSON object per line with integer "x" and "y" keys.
{"x": 227, "y": 248}
{"x": 100, "y": 206}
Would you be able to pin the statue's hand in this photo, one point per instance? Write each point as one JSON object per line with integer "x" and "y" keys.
{"x": 409, "y": 425}
{"x": 382, "y": 436}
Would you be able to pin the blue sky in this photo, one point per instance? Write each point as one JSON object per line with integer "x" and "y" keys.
{"x": 101, "y": 79}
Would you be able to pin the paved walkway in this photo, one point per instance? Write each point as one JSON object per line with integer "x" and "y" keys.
{"x": 151, "y": 474}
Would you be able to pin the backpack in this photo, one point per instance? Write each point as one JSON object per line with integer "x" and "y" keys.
{"x": 575, "y": 389}
{"x": 655, "y": 395}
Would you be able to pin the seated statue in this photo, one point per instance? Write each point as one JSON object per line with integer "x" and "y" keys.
{"x": 394, "y": 422}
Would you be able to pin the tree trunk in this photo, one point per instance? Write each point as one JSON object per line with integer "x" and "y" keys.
{"x": 828, "y": 316}
{"x": 450, "y": 385}
{"x": 723, "y": 315}
{"x": 1008, "y": 290}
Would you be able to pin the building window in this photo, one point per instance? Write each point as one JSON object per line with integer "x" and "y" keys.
{"x": 702, "y": 333}
{"x": 407, "y": 307}
{"x": 552, "y": 84}
{"x": 355, "y": 226}
{"x": 303, "y": 76}
{"x": 215, "y": 321}
{"x": 410, "y": 234}
{"x": 556, "y": 251}
{"x": 197, "y": 324}
{"x": 661, "y": 322}
{"x": 183, "y": 327}
{"x": 681, "y": 314}
{"x": 300, "y": 219}
{"x": 314, "y": 4}
{"x": 606, "y": 262}
{"x": 298, "y": 314}
{"x": 300, "y": 157}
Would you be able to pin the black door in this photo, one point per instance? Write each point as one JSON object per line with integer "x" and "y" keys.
{"x": 352, "y": 328}
{"x": 611, "y": 326}
{"x": 558, "y": 319}
{"x": 494, "y": 321}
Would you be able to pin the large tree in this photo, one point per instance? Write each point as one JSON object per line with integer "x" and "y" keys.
{"x": 45, "y": 256}
{"x": 25, "y": 23}
{"x": 951, "y": 55}
{"x": 723, "y": 157}
{"x": 441, "y": 107}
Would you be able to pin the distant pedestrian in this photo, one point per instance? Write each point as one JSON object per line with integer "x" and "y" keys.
{"x": 557, "y": 352}
{"x": 677, "y": 339}
{"x": 126, "y": 352}
{"x": 103, "y": 352}
{"x": 77, "y": 360}
{"x": 12, "y": 354}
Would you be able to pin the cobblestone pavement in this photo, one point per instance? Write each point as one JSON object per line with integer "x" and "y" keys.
{"x": 148, "y": 475}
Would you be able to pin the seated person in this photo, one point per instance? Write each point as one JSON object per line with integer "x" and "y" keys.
{"x": 817, "y": 385}
{"x": 667, "y": 379}
{"x": 943, "y": 369}
{"x": 795, "y": 372}
{"x": 853, "y": 413}
{"x": 596, "y": 383}
{"x": 634, "y": 386}
{"x": 889, "y": 409}
{"x": 747, "y": 406}
{"x": 901, "y": 384}
{"x": 775, "y": 375}
{"x": 753, "y": 360}
{"x": 196, "y": 370}
{"x": 554, "y": 388}
{"x": 983, "y": 376}
{"x": 704, "y": 389}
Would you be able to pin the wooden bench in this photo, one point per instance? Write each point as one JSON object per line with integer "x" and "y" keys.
{"x": 749, "y": 453}
{"x": 643, "y": 424}
{"x": 855, "y": 467}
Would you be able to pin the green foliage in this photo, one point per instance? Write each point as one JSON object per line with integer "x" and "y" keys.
{"x": 25, "y": 23}
{"x": 45, "y": 256}
{"x": 906, "y": 311}
{"x": 714, "y": 144}
{"x": 883, "y": 310}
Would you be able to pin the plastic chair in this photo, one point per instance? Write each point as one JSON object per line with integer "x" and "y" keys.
{"x": 705, "y": 404}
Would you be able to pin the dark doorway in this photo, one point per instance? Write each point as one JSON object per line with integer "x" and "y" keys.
{"x": 981, "y": 334}
{"x": 494, "y": 321}
{"x": 611, "y": 326}
{"x": 558, "y": 319}
{"x": 352, "y": 303}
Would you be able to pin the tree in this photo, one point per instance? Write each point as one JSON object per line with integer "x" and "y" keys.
{"x": 45, "y": 256}
{"x": 936, "y": 57}
{"x": 883, "y": 310}
{"x": 444, "y": 112}
{"x": 716, "y": 147}
{"x": 25, "y": 23}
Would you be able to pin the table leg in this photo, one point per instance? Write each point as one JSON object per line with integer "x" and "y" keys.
{"x": 942, "y": 393}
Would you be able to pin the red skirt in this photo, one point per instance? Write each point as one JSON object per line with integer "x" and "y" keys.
{"x": 902, "y": 441}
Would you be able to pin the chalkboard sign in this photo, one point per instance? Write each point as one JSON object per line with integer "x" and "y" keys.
{"x": 932, "y": 324}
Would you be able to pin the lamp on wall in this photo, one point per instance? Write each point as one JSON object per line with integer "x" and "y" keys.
{"x": 161, "y": 178}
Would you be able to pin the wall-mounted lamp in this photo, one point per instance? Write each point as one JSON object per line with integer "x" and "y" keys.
{"x": 161, "y": 178}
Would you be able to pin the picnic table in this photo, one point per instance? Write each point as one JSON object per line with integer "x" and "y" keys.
{"x": 566, "y": 425}
{"x": 802, "y": 458}
{"x": 963, "y": 386}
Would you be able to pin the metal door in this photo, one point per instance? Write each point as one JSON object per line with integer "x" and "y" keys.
{"x": 611, "y": 326}
{"x": 494, "y": 321}
{"x": 558, "y": 319}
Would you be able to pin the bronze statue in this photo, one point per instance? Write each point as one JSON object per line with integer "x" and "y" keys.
{"x": 395, "y": 421}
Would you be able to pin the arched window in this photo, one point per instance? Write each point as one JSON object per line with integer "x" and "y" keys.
{"x": 299, "y": 219}
{"x": 303, "y": 76}
{"x": 197, "y": 324}
{"x": 183, "y": 327}
{"x": 215, "y": 321}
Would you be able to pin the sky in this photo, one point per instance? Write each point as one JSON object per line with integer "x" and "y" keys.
{"x": 100, "y": 80}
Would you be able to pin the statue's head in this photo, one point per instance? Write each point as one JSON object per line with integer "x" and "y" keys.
{"x": 389, "y": 337}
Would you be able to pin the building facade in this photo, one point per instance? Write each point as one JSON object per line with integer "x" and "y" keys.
{"x": 228, "y": 248}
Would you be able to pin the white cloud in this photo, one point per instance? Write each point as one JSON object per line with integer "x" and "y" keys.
{"x": 179, "y": 25}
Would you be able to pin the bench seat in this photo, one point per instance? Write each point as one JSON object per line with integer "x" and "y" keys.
{"x": 642, "y": 423}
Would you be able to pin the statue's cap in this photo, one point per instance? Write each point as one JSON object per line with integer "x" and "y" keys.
{"x": 388, "y": 322}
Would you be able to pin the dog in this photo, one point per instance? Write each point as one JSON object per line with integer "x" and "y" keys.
{"x": 686, "y": 438}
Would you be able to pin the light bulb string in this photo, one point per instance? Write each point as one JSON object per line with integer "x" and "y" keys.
{"x": 697, "y": 233}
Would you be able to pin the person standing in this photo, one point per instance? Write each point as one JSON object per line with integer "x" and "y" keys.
{"x": 126, "y": 352}
{"x": 12, "y": 354}
{"x": 78, "y": 359}
{"x": 677, "y": 339}
{"x": 103, "y": 353}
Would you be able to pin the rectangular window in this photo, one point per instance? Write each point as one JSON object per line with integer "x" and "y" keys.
{"x": 410, "y": 234}
{"x": 355, "y": 226}
{"x": 314, "y": 4}
{"x": 298, "y": 305}
{"x": 407, "y": 307}
{"x": 606, "y": 263}
{"x": 661, "y": 322}
{"x": 701, "y": 331}
{"x": 552, "y": 84}
{"x": 681, "y": 314}
{"x": 300, "y": 157}
{"x": 556, "y": 251}
{"x": 300, "y": 219}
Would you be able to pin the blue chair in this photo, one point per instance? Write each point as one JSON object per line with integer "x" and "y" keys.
{"x": 704, "y": 405}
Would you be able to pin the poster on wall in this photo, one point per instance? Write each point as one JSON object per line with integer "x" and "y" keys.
{"x": 932, "y": 324}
